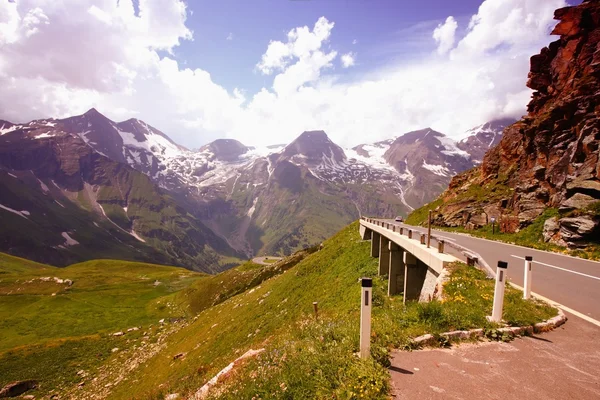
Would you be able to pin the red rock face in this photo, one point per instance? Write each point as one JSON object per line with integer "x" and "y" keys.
{"x": 552, "y": 154}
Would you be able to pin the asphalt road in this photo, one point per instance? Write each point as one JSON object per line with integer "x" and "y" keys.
{"x": 569, "y": 281}
{"x": 560, "y": 365}
{"x": 262, "y": 260}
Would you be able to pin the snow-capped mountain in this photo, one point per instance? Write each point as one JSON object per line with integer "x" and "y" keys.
{"x": 283, "y": 197}
{"x": 480, "y": 139}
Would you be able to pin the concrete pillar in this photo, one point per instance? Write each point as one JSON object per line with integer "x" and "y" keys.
{"x": 384, "y": 255}
{"x": 365, "y": 233}
{"x": 414, "y": 277}
{"x": 396, "y": 269}
{"x": 375, "y": 237}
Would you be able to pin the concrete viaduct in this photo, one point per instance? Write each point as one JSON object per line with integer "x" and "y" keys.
{"x": 411, "y": 266}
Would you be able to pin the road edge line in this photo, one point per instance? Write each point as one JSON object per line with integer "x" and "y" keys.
{"x": 561, "y": 306}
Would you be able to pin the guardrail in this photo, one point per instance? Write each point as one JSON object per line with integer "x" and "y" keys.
{"x": 471, "y": 257}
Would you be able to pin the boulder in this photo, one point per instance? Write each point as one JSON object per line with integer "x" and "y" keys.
{"x": 579, "y": 231}
{"x": 478, "y": 220}
{"x": 17, "y": 388}
{"x": 589, "y": 187}
{"x": 529, "y": 210}
{"x": 577, "y": 201}
{"x": 551, "y": 229}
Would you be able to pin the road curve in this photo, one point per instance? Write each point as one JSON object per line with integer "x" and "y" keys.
{"x": 570, "y": 281}
{"x": 261, "y": 260}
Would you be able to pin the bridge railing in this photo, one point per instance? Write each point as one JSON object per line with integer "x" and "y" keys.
{"x": 471, "y": 257}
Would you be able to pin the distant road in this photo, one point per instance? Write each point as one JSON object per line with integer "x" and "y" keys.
{"x": 261, "y": 260}
{"x": 572, "y": 282}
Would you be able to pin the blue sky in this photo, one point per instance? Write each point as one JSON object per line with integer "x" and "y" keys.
{"x": 383, "y": 29}
{"x": 362, "y": 70}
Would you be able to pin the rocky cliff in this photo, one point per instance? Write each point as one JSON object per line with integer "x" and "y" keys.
{"x": 549, "y": 159}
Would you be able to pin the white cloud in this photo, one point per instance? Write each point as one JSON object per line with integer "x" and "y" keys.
{"x": 354, "y": 41}
{"x": 102, "y": 54}
{"x": 444, "y": 35}
{"x": 230, "y": 36}
{"x": 348, "y": 59}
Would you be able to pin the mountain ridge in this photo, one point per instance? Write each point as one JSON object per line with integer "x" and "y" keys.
{"x": 235, "y": 189}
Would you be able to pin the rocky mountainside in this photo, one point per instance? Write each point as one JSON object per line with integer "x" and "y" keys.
{"x": 62, "y": 201}
{"x": 549, "y": 159}
{"x": 252, "y": 200}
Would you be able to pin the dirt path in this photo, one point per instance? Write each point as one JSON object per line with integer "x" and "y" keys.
{"x": 561, "y": 364}
{"x": 261, "y": 260}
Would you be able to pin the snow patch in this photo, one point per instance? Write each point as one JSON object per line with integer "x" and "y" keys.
{"x": 19, "y": 213}
{"x": 451, "y": 148}
{"x": 253, "y": 208}
{"x": 375, "y": 158}
{"x": 43, "y": 186}
{"x": 132, "y": 233}
{"x": 135, "y": 235}
{"x": 8, "y": 129}
{"x": 14, "y": 176}
{"x": 43, "y": 135}
{"x": 436, "y": 169}
{"x": 69, "y": 241}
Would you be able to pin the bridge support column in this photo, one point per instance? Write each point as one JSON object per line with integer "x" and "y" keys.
{"x": 375, "y": 237}
{"x": 365, "y": 233}
{"x": 384, "y": 255}
{"x": 396, "y": 269}
{"x": 414, "y": 277}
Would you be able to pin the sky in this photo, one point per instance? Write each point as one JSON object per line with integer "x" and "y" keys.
{"x": 264, "y": 71}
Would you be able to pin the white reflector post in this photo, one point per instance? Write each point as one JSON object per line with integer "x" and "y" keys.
{"x": 527, "y": 278}
{"x": 499, "y": 291}
{"x": 365, "y": 317}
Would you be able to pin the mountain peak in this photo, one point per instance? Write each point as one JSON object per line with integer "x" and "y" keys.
{"x": 92, "y": 112}
{"x": 226, "y": 149}
{"x": 314, "y": 146}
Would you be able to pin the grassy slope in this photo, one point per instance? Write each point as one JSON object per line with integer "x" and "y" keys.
{"x": 311, "y": 359}
{"x": 277, "y": 314}
{"x": 50, "y": 337}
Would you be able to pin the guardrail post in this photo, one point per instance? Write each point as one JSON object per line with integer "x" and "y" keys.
{"x": 527, "y": 278}
{"x": 499, "y": 292}
{"x": 429, "y": 229}
{"x": 365, "y": 317}
{"x": 401, "y": 230}
{"x": 441, "y": 246}
{"x": 422, "y": 238}
{"x": 410, "y": 233}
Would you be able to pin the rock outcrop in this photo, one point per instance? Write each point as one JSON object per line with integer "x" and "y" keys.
{"x": 549, "y": 159}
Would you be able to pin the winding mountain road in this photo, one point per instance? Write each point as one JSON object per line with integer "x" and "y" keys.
{"x": 573, "y": 283}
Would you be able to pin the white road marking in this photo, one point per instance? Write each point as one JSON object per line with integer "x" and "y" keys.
{"x": 562, "y": 269}
{"x": 561, "y": 306}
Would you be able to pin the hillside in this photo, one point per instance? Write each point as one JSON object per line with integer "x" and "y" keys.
{"x": 208, "y": 321}
{"x": 549, "y": 159}
{"x": 61, "y": 202}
